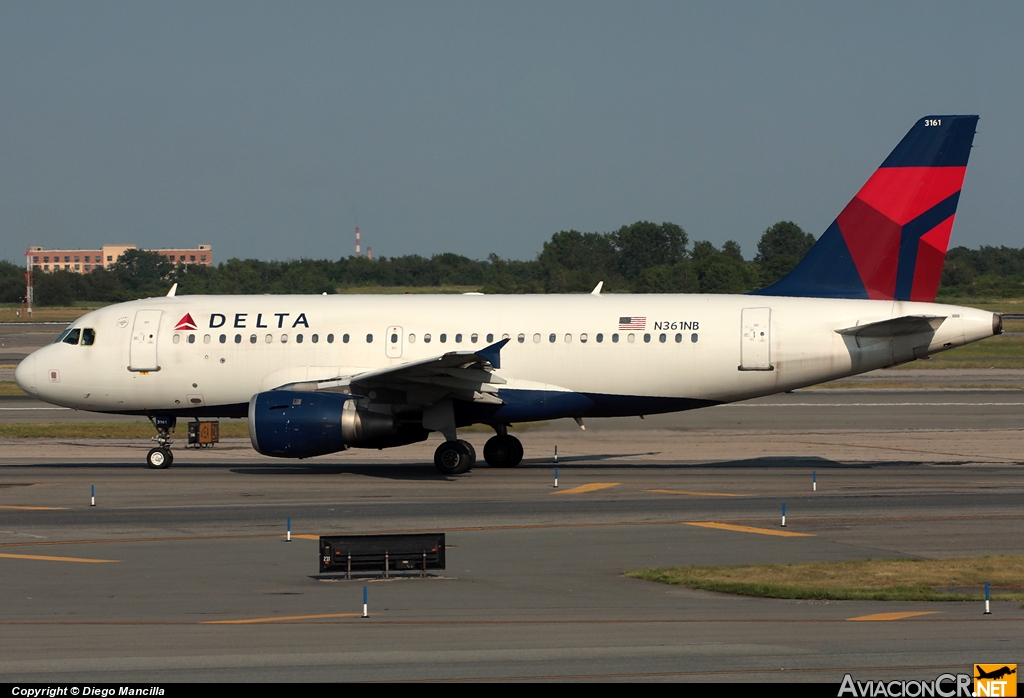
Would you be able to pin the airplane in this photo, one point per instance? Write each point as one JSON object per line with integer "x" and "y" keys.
{"x": 315, "y": 375}
{"x": 995, "y": 674}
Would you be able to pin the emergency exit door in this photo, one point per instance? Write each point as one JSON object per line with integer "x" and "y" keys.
{"x": 142, "y": 353}
{"x": 756, "y": 340}
{"x": 393, "y": 342}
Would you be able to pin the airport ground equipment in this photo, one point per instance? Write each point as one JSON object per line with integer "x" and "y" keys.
{"x": 382, "y": 553}
{"x": 203, "y": 434}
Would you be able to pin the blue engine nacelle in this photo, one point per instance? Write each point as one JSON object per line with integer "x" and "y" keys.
{"x": 293, "y": 424}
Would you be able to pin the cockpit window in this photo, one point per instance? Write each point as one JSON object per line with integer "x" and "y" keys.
{"x": 72, "y": 336}
{"x": 88, "y": 337}
{"x": 62, "y": 336}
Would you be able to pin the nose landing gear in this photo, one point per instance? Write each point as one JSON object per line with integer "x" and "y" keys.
{"x": 161, "y": 457}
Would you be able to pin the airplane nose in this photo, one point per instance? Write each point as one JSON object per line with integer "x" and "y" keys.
{"x": 25, "y": 374}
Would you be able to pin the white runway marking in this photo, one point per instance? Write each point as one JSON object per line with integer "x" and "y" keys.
{"x": 26, "y": 409}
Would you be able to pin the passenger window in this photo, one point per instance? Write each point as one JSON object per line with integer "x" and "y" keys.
{"x": 458, "y": 338}
{"x": 330, "y": 338}
{"x": 693, "y": 337}
{"x": 223, "y": 338}
{"x": 679, "y": 338}
{"x": 474, "y": 337}
{"x": 615, "y": 338}
{"x": 662, "y": 338}
{"x": 426, "y": 338}
{"x": 521, "y": 338}
{"x": 191, "y": 339}
{"x": 536, "y": 338}
{"x": 315, "y": 338}
{"x": 412, "y": 339}
{"x": 599, "y": 337}
{"x": 568, "y": 338}
{"x": 551, "y": 337}
{"x": 269, "y": 338}
{"x": 206, "y": 339}
{"x": 443, "y": 338}
{"x": 647, "y": 338}
{"x": 238, "y": 339}
{"x": 583, "y": 337}
{"x": 284, "y": 339}
{"x": 394, "y": 338}
{"x": 490, "y": 338}
{"x": 252, "y": 339}
{"x": 176, "y": 338}
{"x": 298, "y": 339}
{"x": 630, "y": 337}
{"x": 369, "y": 339}
{"x": 73, "y": 337}
{"x": 505, "y": 336}
{"x": 344, "y": 338}
{"x": 88, "y": 337}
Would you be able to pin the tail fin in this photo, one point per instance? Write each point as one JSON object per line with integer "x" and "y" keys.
{"x": 889, "y": 243}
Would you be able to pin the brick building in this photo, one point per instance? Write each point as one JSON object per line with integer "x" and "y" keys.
{"x": 85, "y": 261}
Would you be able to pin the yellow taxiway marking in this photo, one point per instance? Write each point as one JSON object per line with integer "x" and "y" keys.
{"x": 698, "y": 494}
{"x": 306, "y": 536}
{"x": 592, "y": 487}
{"x": 246, "y": 621}
{"x": 11, "y": 506}
{"x": 749, "y": 529}
{"x": 51, "y": 558}
{"x": 894, "y": 616}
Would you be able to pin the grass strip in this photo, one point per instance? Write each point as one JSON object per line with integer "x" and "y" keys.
{"x": 11, "y": 389}
{"x": 106, "y": 430}
{"x": 951, "y": 579}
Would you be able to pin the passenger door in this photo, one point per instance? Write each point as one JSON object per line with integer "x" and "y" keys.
{"x": 142, "y": 353}
{"x": 756, "y": 342}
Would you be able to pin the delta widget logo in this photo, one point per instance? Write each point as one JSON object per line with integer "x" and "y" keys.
{"x": 186, "y": 323}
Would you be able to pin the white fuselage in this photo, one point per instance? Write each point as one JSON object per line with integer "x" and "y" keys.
{"x": 730, "y": 347}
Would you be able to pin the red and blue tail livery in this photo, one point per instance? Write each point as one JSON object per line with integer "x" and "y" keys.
{"x": 889, "y": 243}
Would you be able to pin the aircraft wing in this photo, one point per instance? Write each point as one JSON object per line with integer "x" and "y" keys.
{"x": 895, "y": 327}
{"x": 461, "y": 375}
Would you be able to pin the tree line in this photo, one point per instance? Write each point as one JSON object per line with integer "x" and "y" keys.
{"x": 640, "y": 258}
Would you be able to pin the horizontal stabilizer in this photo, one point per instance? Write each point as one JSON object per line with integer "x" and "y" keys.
{"x": 896, "y": 327}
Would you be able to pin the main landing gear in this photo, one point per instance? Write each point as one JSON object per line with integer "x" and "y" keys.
{"x": 502, "y": 450}
{"x": 455, "y": 456}
{"x": 161, "y": 456}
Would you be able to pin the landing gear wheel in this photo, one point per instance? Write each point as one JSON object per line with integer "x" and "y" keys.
{"x": 472, "y": 452}
{"x": 453, "y": 458}
{"x": 503, "y": 451}
{"x": 159, "y": 458}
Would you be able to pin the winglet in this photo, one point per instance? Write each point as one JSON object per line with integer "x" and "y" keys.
{"x": 597, "y": 289}
{"x": 492, "y": 354}
{"x": 174, "y": 289}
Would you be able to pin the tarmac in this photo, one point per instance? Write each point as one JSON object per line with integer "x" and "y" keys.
{"x": 184, "y": 574}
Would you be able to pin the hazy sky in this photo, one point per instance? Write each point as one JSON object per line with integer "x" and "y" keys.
{"x": 271, "y": 129}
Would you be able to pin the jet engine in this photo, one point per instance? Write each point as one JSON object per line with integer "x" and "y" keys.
{"x": 293, "y": 424}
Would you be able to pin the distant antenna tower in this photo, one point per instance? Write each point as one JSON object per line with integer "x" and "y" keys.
{"x": 29, "y": 291}
{"x": 357, "y": 241}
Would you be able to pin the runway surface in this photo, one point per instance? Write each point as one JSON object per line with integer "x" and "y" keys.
{"x": 184, "y": 575}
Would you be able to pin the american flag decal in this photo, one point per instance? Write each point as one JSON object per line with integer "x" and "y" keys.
{"x": 632, "y": 323}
